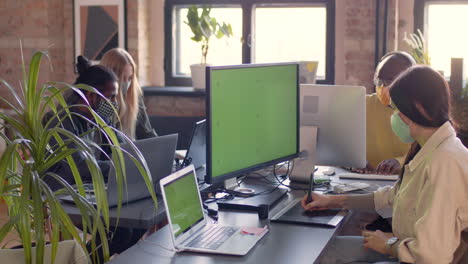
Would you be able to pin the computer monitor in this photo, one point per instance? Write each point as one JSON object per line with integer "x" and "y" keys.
{"x": 252, "y": 118}
{"x": 339, "y": 113}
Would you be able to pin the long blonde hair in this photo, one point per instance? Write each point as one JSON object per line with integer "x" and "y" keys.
{"x": 116, "y": 60}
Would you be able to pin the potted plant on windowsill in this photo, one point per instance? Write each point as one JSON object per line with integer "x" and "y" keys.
{"x": 203, "y": 27}
{"x": 34, "y": 213}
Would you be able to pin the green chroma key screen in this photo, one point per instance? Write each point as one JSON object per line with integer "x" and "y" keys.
{"x": 183, "y": 203}
{"x": 254, "y": 115}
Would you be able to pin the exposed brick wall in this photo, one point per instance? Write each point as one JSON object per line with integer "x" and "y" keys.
{"x": 175, "y": 106}
{"x": 359, "y": 42}
{"x": 48, "y": 25}
{"x": 357, "y": 26}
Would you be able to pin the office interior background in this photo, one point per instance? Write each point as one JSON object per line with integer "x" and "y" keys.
{"x": 347, "y": 37}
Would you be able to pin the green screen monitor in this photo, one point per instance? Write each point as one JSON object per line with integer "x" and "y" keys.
{"x": 252, "y": 118}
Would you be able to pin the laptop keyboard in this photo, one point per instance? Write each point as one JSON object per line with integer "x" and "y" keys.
{"x": 212, "y": 237}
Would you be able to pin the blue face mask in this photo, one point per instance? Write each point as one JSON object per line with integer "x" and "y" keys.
{"x": 401, "y": 129}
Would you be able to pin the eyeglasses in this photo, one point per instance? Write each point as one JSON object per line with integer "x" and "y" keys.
{"x": 392, "y": 106}
{"x": 381, "y": 83}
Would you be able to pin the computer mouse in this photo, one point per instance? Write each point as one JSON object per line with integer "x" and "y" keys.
{"x": 328, "y": 171}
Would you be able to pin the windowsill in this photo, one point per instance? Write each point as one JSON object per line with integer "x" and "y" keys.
{"x": 173, "y": 91}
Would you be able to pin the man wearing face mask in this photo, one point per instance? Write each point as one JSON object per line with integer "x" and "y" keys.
{"x": 104, "y": 81}
{"x": 385, "y": 152}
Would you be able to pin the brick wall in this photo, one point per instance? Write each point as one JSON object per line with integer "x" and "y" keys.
{"x": 359, "y": 34}
{"x": 48, "y": 25}
{"x": 355, "y": 38}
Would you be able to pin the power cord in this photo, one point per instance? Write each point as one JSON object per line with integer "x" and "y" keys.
{"x": 211, "y": 212}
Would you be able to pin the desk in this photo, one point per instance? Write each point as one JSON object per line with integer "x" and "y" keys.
{"x": 140, "y": 214}
{"x": 285, "y": 243}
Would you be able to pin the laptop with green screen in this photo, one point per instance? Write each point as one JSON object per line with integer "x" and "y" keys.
{"x": 189, "y": 226}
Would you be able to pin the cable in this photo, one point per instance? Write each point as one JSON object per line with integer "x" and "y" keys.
{"x": 161, "y": 246}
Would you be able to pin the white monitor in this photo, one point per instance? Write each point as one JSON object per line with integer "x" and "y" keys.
{"x": 339, "y": 114}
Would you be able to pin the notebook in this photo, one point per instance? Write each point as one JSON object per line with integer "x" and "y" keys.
{"x": 159, "y": 155}
{"x": 189, "y": 228}
{"x": 295, "y": 214}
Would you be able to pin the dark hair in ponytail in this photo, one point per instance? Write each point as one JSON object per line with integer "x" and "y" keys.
{"x": 422, "y": 95}
{"x": 96, "y": 76}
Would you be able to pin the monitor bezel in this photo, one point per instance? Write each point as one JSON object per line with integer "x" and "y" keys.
{"x": 220, "y": 179}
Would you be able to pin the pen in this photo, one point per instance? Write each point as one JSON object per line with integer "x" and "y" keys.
{"x": 311, "y": 188}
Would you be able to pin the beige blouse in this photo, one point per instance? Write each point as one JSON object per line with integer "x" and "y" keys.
{"x": 430, "y": 204}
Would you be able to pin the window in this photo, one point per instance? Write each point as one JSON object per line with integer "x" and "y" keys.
{"x": 288, "y": 39}
{"x": 441, "y": 21}
{"x": 264, "y": 32}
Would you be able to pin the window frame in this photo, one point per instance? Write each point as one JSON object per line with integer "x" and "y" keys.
{"x": 420, "y": 15}
{"x": 420, "y": 11}
{"x": 247, "y": 28}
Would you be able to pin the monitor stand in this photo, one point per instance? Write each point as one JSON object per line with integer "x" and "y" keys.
{"x": 267, "y": 197}
{"x": 304, "y": 165}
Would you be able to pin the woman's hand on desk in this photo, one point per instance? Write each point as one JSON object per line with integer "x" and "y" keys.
{"x": 367, "y": 169}
{"x": 390, "y": 166}
{"x": 322, "y": 202}
{"x": 377, "y": 240}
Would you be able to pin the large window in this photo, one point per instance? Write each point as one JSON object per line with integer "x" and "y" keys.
{"x": 442, "y": 23}
{"x": 264, "y": 31}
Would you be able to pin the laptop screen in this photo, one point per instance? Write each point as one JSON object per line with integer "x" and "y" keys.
{"x": 183, "y": 203}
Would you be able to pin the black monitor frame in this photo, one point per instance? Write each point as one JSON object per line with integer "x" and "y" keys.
{"x": 220, "y": 179}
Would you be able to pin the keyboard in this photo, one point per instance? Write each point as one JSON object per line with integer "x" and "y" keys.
{"x": 350, "y": 175}
{"x": 212, "y": 237}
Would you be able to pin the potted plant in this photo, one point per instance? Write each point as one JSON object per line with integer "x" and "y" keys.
{"x": 460, "y": 114}
{"x": 418, "y": 46}
{"x": 35, "y": 213}
{"x": 203, "y": 27}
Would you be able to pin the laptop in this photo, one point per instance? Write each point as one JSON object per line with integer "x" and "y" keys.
{"x": 189, "y": 228}
{"x": 196, "y": 153}
{"x": 159, "y": 155}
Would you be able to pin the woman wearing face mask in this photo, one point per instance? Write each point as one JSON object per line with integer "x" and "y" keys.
{"x": 134, "y": 121}
{"x": 105, "y": 81}
{"x": 430, "y": 212}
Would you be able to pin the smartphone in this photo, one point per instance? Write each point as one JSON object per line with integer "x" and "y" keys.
{"x": 311, "y": 189}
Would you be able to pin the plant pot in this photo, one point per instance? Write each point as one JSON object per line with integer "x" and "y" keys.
{"x": 198, "y": 75}
{"x": 69, "y": 251}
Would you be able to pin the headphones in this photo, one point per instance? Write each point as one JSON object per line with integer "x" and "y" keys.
{"x": 402, "y": 54}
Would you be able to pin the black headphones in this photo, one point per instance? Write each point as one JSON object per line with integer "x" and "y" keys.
{"x": 402, "y": 54}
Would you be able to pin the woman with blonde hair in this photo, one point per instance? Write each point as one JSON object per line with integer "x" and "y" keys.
{"x": 134, "y": 121}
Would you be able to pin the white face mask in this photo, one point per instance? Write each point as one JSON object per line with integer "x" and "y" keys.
{"x": 125, "y": 86}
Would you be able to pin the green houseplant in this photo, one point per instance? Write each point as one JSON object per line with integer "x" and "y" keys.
{"x": 34, "y": 210}
{"x": 460, "y": 113}
{"x": 418, "y": 46}
{"x": 203, "y": 27}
